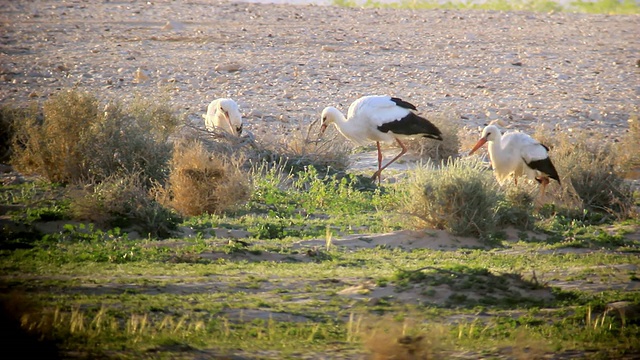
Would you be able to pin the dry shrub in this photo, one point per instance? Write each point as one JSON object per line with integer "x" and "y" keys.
{"x": 131, "y": 140}
{"x": 439, "y": 150}
{"x": 78, "y": 140}
{"x": 10, "y": 119}
{"x": 591, "y": 171}
{"x": 302, "y": 147}
{"x": 628, "y": 150}
{"x": 460, "y": 196}
{"x": 53, "y": 147}
{"x": 391, "y": 340}
{"x": 124, "y": 201}
{"x": 289, "y": 150}
{"x": 201, "y": 182}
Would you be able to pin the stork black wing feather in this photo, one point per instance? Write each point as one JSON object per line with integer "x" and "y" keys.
{"x": 412, "y": 124}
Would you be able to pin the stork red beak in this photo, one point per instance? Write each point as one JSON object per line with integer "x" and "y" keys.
{"x": 478, "y": 145}
{"x": 323, "y": 128}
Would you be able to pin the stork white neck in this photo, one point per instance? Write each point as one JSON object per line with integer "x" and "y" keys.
{"x": 345, "y": 127}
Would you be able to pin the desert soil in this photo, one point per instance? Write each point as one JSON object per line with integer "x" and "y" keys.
{"x": 284, "y": 63}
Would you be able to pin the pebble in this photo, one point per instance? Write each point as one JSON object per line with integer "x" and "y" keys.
{"x": 524, "y": 68}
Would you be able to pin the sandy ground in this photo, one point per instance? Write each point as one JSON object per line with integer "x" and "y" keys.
{"x": 284, "y": 63}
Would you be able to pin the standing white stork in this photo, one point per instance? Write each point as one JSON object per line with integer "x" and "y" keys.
{"x": 518, "y": 154}
{"x": 223, "y": 114}
{"x": 380, "y": 118}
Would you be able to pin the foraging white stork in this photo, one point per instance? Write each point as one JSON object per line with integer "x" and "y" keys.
{"x": 380, "y": 118}
{"x": 223, "y": 114}
{"x": 518, "y": 154}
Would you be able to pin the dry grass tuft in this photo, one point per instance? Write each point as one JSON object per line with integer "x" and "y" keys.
{"x": 19, "y": 337}
{"x": 627, "y": 151}
{"x": 124, "y": 201}
{"x": 201, "y": 182}
{"x": 436, "y": 150}
{"x": 392, "y": 340}
{"x": 10, "y": 119}
{"x": 78, "y": 140}
{"x": 459, "y": 196}
{"x": 592, "y": 172}
{"x": 54, "y": 147}
{"x": 303, "y": 147}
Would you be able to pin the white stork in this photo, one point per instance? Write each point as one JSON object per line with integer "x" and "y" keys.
{"x": 380, "y": 118}
{"x": 223, "y": 114}
{"x": 518, "y": 154}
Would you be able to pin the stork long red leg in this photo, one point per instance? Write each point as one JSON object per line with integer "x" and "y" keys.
{"x": 379, "y": 172}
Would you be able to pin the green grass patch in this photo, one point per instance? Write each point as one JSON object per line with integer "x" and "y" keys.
{"x": 619, "y": 7}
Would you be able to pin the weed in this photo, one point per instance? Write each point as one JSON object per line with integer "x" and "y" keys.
{"x": 123, "y": 201}
{"x": 459, "y": 196}
{"x": 592, "y": 172}
{"x": 201, "y": 182}
{"x": 78, "y": 141}
{"x": 437, "y": 151}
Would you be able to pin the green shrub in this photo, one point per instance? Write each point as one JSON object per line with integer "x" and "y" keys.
{"x": 460, "y": 196}
{"x": 130, "y": 140}
{"x": 78, "y": 140}
{"x": 124, "y": 201}
{"x": 516, "y": 208}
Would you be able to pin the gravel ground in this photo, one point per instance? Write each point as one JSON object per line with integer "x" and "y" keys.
{"x": 284, "y": 63}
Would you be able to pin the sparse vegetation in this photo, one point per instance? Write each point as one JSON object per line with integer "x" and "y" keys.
{"x": 459, "y": 196}
{"x": 201, "y": 182}
{"x": 592, "y": 172}
{"x": 77, "y": 141}
{"x": 290, "y": 285}
{"x": 431, "y": 150}
{"x": 598, "y": 6}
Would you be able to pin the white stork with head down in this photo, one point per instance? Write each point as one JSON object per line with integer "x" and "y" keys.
{"x": 518, "y": 154}
{"x": 223, "y": 114}
{"x": 380, "y": 118}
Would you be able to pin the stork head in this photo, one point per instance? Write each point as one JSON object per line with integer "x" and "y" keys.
{"x": 489, "y": 133}
{"x": 232, "y": 118}
{"x": 329, "y": 115}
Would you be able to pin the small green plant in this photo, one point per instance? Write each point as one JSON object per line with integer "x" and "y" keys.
{"x": 516, "y": 208}
{"x": 124, "y": 201}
